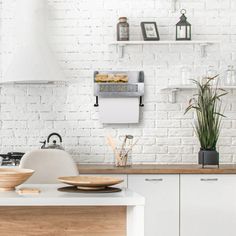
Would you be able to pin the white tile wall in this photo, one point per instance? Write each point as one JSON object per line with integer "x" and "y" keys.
{"x": 80, "y": 32}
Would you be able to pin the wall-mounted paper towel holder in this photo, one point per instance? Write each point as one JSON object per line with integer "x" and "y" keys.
{"x": 140, "y": 102}
{"x": 133, "y": 87}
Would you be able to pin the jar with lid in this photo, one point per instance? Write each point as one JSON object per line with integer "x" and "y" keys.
{"x": 186, "y": 75}
{"x": 211, "y": 73}
{"x": 122, "y": 29}
{"x": 230, "y": 76}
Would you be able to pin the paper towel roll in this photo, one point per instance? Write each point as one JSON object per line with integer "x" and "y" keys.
{"x": 119, "y": 110}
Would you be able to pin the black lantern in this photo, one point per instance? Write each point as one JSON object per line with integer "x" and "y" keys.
{"x": 183, "y": 28}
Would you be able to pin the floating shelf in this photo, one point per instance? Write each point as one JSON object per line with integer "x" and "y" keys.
{"x": 202, "y": 43}
{"x": 186, "y": 86}
{"x": 175, "y": 88}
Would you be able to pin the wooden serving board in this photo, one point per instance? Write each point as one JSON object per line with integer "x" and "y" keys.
{"x": 90, "y": 182}
{"x": 23, "y": 191}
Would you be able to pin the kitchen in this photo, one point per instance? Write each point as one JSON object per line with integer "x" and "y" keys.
{"x": 83, "y": 39}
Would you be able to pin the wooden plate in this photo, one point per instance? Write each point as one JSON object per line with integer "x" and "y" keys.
{"x": 90, "y": 182}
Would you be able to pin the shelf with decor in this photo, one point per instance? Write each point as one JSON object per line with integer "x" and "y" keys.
{"x": 175, "y": 88}
{"x": 202, "y": 44}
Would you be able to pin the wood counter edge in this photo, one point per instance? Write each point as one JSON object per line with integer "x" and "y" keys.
{"x": 155, "y": 169}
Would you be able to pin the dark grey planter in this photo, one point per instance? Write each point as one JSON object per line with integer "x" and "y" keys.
{"x": 208, "y": 157}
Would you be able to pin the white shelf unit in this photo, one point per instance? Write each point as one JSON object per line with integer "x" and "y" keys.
{"x": 175, "y": 88}
{"x": 202, "y": 44}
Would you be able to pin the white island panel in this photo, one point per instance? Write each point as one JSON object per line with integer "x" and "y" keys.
{"x": 51, "y": 197}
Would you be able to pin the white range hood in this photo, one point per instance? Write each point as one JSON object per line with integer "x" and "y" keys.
{"x": 31, "y": 60}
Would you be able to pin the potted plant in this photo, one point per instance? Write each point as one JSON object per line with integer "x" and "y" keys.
{"x": 208, "y": 107}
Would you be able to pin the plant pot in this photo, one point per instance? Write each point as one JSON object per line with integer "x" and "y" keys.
{"x": 208, "y": 157}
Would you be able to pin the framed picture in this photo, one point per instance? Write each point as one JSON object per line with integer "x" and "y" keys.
{"x": 149, "y": 31}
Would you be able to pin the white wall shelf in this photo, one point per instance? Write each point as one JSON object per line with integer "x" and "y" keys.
{"x": 202, "y": 43}
{"x": 187, "y": 86}
{"x": 175, "y": 88}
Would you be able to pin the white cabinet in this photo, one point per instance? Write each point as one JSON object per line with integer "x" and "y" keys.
{"x": 208, "y": 205}
{"x": 186, "y": 204}
{"x": 161, "y": 193}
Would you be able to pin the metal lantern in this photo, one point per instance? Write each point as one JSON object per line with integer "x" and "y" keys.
{"x": 183, "y": 27}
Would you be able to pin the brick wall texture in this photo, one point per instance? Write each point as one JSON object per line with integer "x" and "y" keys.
{"x": 80, "y": 32}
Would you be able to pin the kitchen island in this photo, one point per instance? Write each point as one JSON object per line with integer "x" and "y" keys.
{"x": 52, "y": 212}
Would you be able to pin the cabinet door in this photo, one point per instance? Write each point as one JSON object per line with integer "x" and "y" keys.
{"x": 121, "y": 176}
{"x": 161, "y": 193}
{"x": 208, "y": 205}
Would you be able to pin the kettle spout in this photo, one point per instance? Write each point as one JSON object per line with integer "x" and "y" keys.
{"x": 44, "y": 144}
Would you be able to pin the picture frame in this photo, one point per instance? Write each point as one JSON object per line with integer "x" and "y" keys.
{"x": 149, "y": 31}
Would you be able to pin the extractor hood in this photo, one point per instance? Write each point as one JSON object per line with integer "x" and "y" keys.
{"x": 32, "y": 60}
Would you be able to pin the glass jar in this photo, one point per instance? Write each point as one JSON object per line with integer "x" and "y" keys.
{"x": 123, "y": 157}
{"x": 210, "y": 73}
{"x": 123, "y": 29}
{"x": 230, "y": 76}
{"x": 186, "y": 75}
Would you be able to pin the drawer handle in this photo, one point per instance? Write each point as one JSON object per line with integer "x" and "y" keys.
{"x": 209, "y": 179}
{"x": 154, "y": 180}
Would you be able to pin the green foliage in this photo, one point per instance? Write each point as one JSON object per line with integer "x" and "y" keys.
{"x": 208, "y": 107}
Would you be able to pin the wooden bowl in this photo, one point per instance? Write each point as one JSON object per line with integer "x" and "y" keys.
{"x": 90, "y": 182}
{"x": 12, "y": 177}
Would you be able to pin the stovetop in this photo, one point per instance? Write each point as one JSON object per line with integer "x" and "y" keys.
{"x": 11, "y": 158}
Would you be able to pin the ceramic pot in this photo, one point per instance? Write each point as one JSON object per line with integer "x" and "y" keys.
{"x": 208, "y": 157}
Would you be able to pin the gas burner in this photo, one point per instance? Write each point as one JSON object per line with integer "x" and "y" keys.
{"x": 11, "y": 158}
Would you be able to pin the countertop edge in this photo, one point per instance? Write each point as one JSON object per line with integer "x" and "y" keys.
{"x": 156, "y": 169}
{"x": 50, "y": 196}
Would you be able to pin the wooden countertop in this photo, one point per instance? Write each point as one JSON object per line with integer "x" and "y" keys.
{"x": 155, "y": 169}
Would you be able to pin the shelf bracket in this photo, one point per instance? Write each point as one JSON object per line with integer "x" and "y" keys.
{"x": 121, "y": 49}
{"x": 172, "y": 96}
{"x": 203, "y": 49}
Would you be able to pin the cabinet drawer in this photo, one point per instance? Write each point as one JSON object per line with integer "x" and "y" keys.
{"x": 208, "y": 205}
{"x": 161, "y": 193}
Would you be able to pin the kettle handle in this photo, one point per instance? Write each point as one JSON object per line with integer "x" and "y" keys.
{"x": 56, "y": 134}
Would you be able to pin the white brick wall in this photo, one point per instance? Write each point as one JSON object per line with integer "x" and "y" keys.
{"x": 80, "y": 32}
